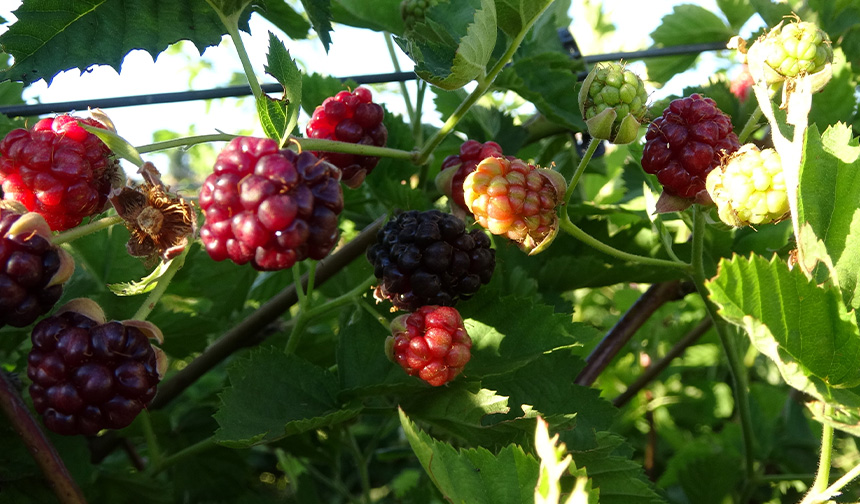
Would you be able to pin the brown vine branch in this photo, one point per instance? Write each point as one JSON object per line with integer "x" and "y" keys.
{"x": 250, "y": 331}
{"x": 654, "y": 370}
{"x": 40, "y": 447}
{"x": 656, "y": 296}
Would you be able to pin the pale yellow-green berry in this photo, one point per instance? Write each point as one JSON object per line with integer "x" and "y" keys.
{"x": 749, "y": 188}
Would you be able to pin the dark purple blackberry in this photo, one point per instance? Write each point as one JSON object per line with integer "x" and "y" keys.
{"x": 428, "y": 258}
{"x": 32, "y": 271}
{"x": 89, "y": 376}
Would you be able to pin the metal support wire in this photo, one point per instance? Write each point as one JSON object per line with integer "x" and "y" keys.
{"x": 236, "y": 91}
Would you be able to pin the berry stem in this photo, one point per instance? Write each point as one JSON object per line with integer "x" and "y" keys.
{"x": 307, "y": 315}
{"x": 833, "y": 490}
{"x": 81, "y": 231}
{"x": 403, "y": 91}
{"x": 484, "y": 84}
{"x": 181, "y": 455}
{"x": 155, "y": 458}
{"x": 816, "y": 493}
{"x": 361, "y": 464}
{"x": 593, "y": 144}
{"x": 572, "y": 229}
{"x": 231, "y": 23}
{"x": 40, "y": 447}
{"x": 373, "y": 313}
{"x": 185, "y": 142}
{"x": 161, "y": 285}
{"x": 321, "y": 144}
{"x": 728, "y": 341}
{"x": 750, "y": 126}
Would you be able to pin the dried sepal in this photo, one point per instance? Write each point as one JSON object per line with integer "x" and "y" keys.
{"x": 86, "y": 307}
{"x": 161, "y": 362}
{"x": 160, "y": 223}
{"x": 30, "y": 223}
{"x": 66, "y": 269}
{"x": 148, "y": 328}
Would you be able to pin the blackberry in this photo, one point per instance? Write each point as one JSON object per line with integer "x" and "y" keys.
{"x": 428, "y": 258}
{"x": 32, "y": 271}
{"x": 270, "y": 207}
{"x": 58, "y": 170}
{"x": 89, "y": 374}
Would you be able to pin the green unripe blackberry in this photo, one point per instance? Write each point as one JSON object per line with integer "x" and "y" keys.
{"x": 613, "y": 102}
{"x": 749, "y": 188}
{"x": 413, "y": 11}
{"x": 796, "y": 48}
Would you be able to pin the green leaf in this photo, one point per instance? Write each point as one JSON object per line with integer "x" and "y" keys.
{"x": 319, "y": 12}
{"x": 51, "y": 36}
{"x": 737, "y": 12}
{"x": 829, "y": 200}
{"x": 280, "y": 116}
{"x": 454, "y": 43}
{"x": 772, "y": 12}
{"x": 687, "y": 24}
{"x": 280, "y": 14}
{"x": 835, "y": 102}
{"x": 117, "y": 144}
{"x": 548, "y": 80}
{"x": 790, "y": 319}
{"x": 228, "y": 8}
{"x": 378, "y": 15}
{"x": 141, "y": 286}
{"x": 514, "y": 15}
{"x": 619, "y": 479}
{"x": 476, "y": 476}
{"x": 273, "y": 395}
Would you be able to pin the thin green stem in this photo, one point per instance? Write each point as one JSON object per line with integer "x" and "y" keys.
{"x": 822, "y": 476}
{"x": 482, "y": 87}
{"x": 155, "y": 294}
{"x": 727, "y": 339}
{"x": 775, "y": 478}
{"x": 417, "y": 126}
{"x": 369, "y": 309}
{"x": 361, "y": 464}
{"x": 181, "y": 455}
{"x": 306, "y": 315}
{"x": 312, "y": 272}
{"x": 589, "y": 240}
{"x": 155, "y": 456}
{"x": 834, "y": 489}
{"x": 750, "y": 126}
{"x": 185, "y": 142}
{"x": 403, "y": 91}
{"x": 319, "y": 144}
{"x": 81, "y": 231}
{"x": 232, "y": 25}
{"x": 593, "y": 144}
{"x": 297, "y": 280}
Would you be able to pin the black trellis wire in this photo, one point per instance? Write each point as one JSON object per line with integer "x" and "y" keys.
{"x": 237, "y": 91}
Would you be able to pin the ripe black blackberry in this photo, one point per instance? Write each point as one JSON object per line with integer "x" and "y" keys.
{"x": 89, "y": 374}
{"x": 428, "y": 258}
{"x": 32, "y": 271}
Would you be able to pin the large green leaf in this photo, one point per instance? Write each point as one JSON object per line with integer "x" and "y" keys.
{"x": 319, "y": 12}
{"x": 514, "y": 15}
{"x": 737, "y": 12}
{"x": 51, "y": 36}
{"x": 280, "y": 14}
{"x": 476, "y": 476}
{"x": 272, "y": 395}
{"x": 453, "y": 44}
{"x": 789, "y": 318}
{"x": 379, "y": 15}
{"x": 687, "y": 24}
{"x": 829, "y": 200}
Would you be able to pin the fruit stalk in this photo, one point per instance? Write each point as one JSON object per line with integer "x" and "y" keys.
{"x": 81, "y": 231}
{"x": 321, "y": 144}
{"x": 161, "y": 286}
{"x": 822, "y": 476}
{"x": 42, "y": 450}
{"x": 185, "y": 142}
{"x": 727, "y": 339}
{"x": 593, "y": 144}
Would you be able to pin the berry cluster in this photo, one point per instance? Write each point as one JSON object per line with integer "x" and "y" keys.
{"x": 354, "y": 118}
{"x": 32, "y": 271}
{"x": 268, "y": 206}
{"x": 431, "y": 343}
{"x": 58, "y": 170}
{"x": 613, "y": 101}
{"x": 686, "y": 143}
{"x": 796, "y": 48}
{"x": 515, "y": 199}
{"x": 90, "y": 375}
{"x": 428, "y": 258}
{"x": 456, "y": 167}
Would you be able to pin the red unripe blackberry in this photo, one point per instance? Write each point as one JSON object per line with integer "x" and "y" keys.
{"x": 270, "y": 207}
{"x": 89, "y": 374}
{"x": 471, "y": 153}
{"x": 354, "y": 118}
{"x": 686, "y": 143}
{"x": 32, "y": 271}
{"x": 431, "y": 343}
{"x": 428, "y": 258}
{"x": 58, "y": 170}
